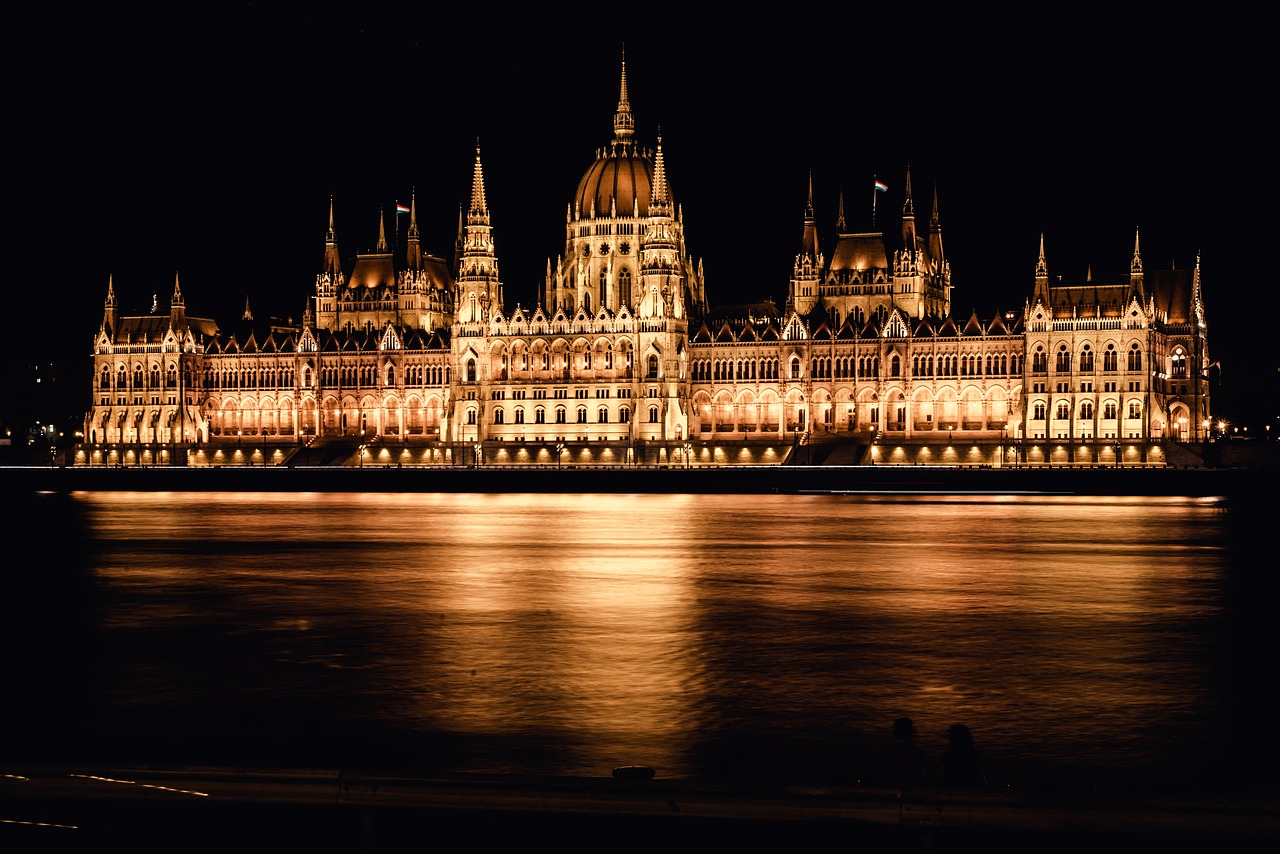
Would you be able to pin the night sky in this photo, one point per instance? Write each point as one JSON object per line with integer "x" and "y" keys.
{"x": 210, "y": 145}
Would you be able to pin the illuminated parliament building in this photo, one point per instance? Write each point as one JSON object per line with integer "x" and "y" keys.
{"x": 408, "y": 359}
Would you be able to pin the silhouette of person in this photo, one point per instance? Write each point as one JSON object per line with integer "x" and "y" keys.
{"x": 961, "y": 762}
{"x": 904, "y": 763}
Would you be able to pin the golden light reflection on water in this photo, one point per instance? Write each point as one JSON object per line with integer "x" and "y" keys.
{"x": 639, "y": 629}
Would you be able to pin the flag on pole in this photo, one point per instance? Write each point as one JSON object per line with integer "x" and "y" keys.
{"x": 881, "y": 186}
{"x": 401, "y": 208}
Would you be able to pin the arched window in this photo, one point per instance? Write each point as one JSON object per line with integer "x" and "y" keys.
{"x": 1064, "y": 360}
{"x": 602, "y": 415}
{"x": 539, "y": 416}
{"x": 624, "y": 414}
{"x": 1178, "y": 364}
{"x": 471, "y": 416}
{"x": 1109, "y": 410}
{"x": 795, "y": 368}
{"x": 1086, "y": 360}
{"x": 471, "y": 370}
{"x": 624, "y": 286}
{"x": 1064, "y": 410}
{"x": 498, "y": 416}
{"x": 653, "y": 367}
{"x": 1037, "y": 411}
{"x": 1135, "y": 409}
{"x": 1135, "y": 358}
{"x": 1039, "y": 361}
{"x": 1086, "y": 409}
{"x": 520, "y": 415}
{"x": 560, "y": 415}
{"x": 582, "y": 415}
{"x": 653, "y": 415}
{"x": 391, "y": 375}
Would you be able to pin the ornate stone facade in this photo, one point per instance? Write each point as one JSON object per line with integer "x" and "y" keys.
{"x": 408, "y": 359}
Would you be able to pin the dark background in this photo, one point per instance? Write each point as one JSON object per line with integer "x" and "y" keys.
{"x": 208, "y": 142}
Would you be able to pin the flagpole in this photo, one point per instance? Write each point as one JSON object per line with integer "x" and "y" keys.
{"x": 874, "y": 190}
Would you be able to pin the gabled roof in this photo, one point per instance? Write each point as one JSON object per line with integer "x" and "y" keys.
{"x": 973, "y": 327}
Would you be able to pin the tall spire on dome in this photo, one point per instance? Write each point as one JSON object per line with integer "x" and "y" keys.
{"x": 624, "y": 124}
{"x": 382, "y": 231}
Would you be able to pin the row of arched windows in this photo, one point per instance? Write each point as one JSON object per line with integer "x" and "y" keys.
{"x": 1087, "y": 362}
{"x": 1062, "y": 411}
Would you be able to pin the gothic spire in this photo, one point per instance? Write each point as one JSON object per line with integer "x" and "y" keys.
{"x": 382, "y": 232}
{"x": 479, "y": 208}
{"x": 332, "y": 261}
{"x": 624, "y": 123}
{"x": 661, "y": 192}
{"x": 840, "y": 226}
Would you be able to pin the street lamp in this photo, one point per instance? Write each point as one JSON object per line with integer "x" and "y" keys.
{"x": 559, "y": 452}
{"x": 688, "y": 450}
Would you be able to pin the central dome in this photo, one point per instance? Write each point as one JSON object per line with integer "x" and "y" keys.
{"x": 623, "y": 175}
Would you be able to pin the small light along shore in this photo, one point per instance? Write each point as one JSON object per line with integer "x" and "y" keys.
{"x": 784, "y": 479}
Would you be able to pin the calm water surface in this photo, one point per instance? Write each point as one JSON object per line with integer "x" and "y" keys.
{"x": 1088, "y": 643}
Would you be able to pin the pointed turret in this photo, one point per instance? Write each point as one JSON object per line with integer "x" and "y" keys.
{"x": 479, "y": 289}
{"x": 840, "y": 226}
{"x": 908, "y": 217}
{"x": 109, "y": 307}
{"x": 382, "y": 232}
{"x": 1136, "y": 289}
{"x": 935, "y": 234}
{"x": 332, "y": 260}
{"x": 177, "y": 308}
{"x": 1041, "y": 293}
{"x": 413, "y": 242}
{"x": 808, "y": 264}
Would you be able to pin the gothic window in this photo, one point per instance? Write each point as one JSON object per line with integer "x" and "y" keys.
{"x": 1064, "y": 360}
{"x": 1037, "y": 411}
{"x": 1039, "y": 361}
{"x": 1086, "y": 360}
{"x": 1109, "y": 358}
{"x": 471, "y": 370}
{"x": 498, "y": 416}
{"x": 1135, "y": 409}
{"x": 795, "y": 369}
{"x": 106, "y": 377}
{"x": 1178, "y": 364}
{"x": 391, "y": 375}
{"x": 582, "y": 415}
{"x": 137, "y": 377}
{"x": 586, "y": 360}
{"x": 520, "y": 416}
{"x": 155, "y": 376}
{"x": 471, "y": 416}
{"x": 1064, "y": 410}
{"x": 624, "y": 414}
{"x": 653, "y": 368}
{"x": 653, "y": 415}
{"x": 895, "y": 366}
{"x": 624, "y": 281}
{"x": 1086, "y": 409}
{"x": 540, "y": 416}
{"x": 602, "y": 415}
{"x": 306, "y": 377}
{"x": 1135, "y": 358}
{"x": 1109, "y": 410}
{"x": 560, "y": 415}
